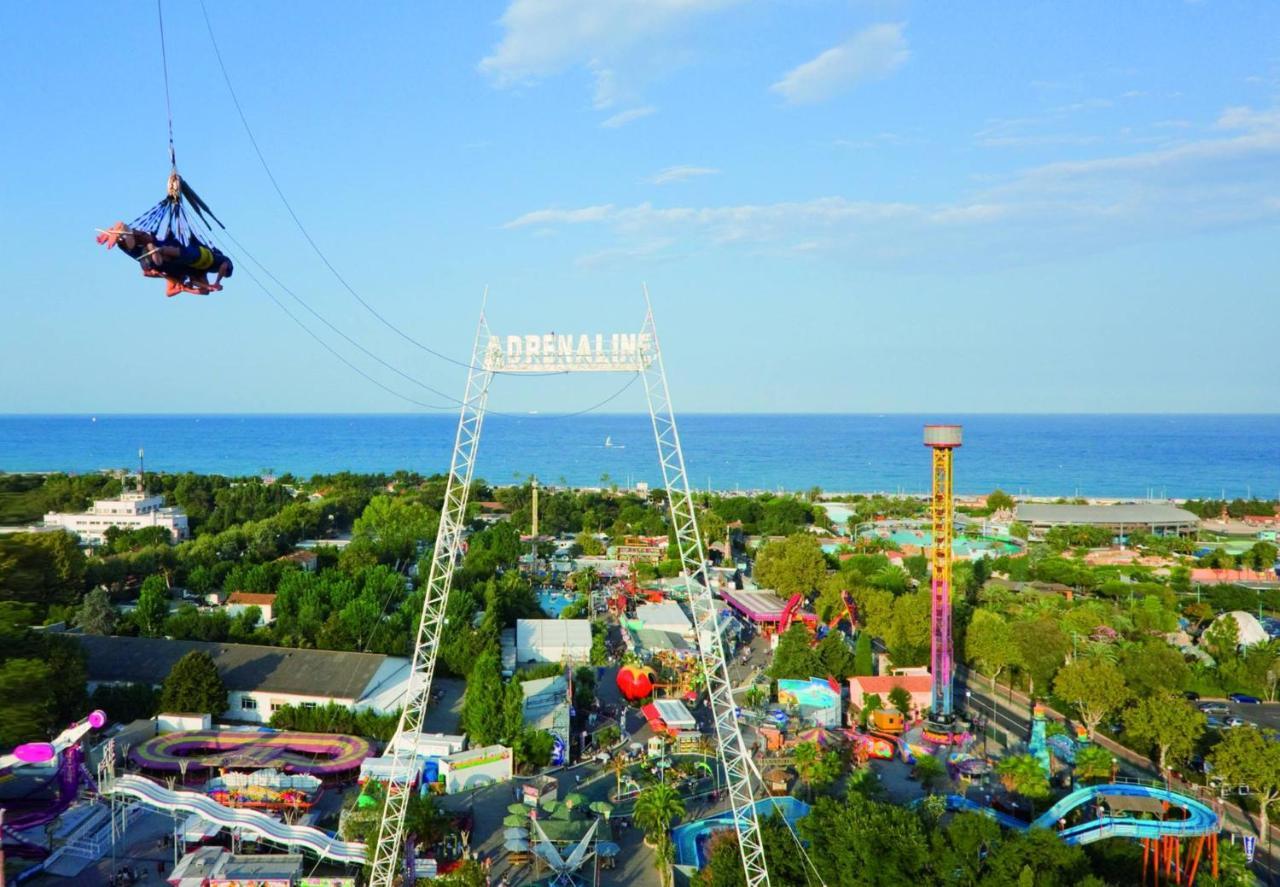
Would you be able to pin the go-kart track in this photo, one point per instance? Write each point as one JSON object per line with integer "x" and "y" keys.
{"x": 318, "y": 754}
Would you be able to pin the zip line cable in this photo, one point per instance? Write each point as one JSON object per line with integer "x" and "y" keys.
{"x": 164, "y": 63}
{"x": 298, "y": 222}
{"x": 275, "y": 184}
{"x": 209, "y": 233}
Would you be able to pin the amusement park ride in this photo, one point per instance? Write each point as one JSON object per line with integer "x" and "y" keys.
{"x": 942, "y": 440}
{"x": 539, "y": 354}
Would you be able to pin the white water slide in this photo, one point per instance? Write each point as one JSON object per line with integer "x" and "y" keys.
{"x": 252, "y": 822}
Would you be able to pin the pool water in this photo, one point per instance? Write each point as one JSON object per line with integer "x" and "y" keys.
{"x": 553, "y": 603}
{"x": 962, "y": 546}
{"x": 689, "y": 838}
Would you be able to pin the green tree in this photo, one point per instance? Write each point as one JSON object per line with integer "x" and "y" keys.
{"x": 1041, "y": 647}
{"x": 794, "y": 565}
{"x": 988, "y": 643}
{"x": 589, "y": 544}
{"x": 1094, "y": 763}
{"x": 26, "y": 708}
{"x": 816, "y": 766}
{"x": 863, "y": 658}
{"x": 907, "y": 637}
{"x": 833, "y": 657}
{"x": 194, "y": 685}
{"x": 1152, "y": 667}
{"x": 1222, "y": 639}
{"x": 900, "y": 698}
{"x": 1024, "y": 775}
{"x": 96, "y": 615}
{"x": 483, "y": 717}
{"x": 153, "y": 606}
{"x": 1166, "y": 723}
{"x": 1262, "y": 556}
{"x": 857, "y": 841}
{"x": 1095, "y": 688}
{"x": 793, "y": 657}
{"x": 1019, "y": 530}
{"x": 656, "y": 809}
{"x": 930, "y": 771}
{"x": 392, "y": 527}
{"x": 1246, "y": 757}
{"x": 999, "y": 500}
{"x": 512, "y": 711}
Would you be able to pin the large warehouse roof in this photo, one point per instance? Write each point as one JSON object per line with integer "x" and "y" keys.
{"x": 243, "y": 667}
{"x": 1130, "y": 513}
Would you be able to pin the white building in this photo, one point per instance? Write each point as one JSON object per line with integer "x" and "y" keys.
{"x": 475, "y": 768}
{"x": 129, "y": 511}
{"x": 259, "y": 679}
{"x": 665, "y": 616}
{"x": 552, "y": 640}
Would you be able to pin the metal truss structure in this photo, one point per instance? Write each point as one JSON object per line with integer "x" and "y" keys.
{"x": 444, "y": 558}
{"x": 942, "y": 440}
{"x": 627, "y": 353}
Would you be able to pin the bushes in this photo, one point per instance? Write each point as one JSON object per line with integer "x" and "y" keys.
{"x": 334, "y": 718}
{"x": 125, "y": 703}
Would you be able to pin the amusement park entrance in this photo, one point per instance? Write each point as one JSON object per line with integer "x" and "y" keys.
{"x": 640, "y": 353}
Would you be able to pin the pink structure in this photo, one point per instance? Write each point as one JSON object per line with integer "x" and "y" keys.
{"x": 942, "y": 440}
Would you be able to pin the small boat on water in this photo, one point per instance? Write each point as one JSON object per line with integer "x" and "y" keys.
{"x": 610, "y": 445}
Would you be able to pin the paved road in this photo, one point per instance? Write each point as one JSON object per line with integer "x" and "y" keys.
{"x": 1265, "y": 715}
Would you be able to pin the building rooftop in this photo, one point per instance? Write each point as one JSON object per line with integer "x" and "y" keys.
{"x": 553, "y": 633}
{"x": 243, "y": 667}
{"x": 251, "y": 599}
{"x": 1128, "y": 513}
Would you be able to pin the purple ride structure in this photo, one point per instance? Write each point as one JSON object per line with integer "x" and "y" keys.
{"x": 942, "y": 440}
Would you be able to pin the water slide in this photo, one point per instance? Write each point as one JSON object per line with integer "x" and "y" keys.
{"x": 1119, "y": 823}
{"x": 253, "y": 822}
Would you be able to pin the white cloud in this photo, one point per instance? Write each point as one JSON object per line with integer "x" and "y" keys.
{"x": 622, "y": 118}
{"x": 870, "y": 54}
{"x": 1246, "y": 118}
{"x": 1050, "y": 210}
{"x": 542, "y": 38}
{"x": 680, "y": 173}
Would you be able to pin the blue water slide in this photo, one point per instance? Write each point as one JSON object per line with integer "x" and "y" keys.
{"x": 1200, "y": 818}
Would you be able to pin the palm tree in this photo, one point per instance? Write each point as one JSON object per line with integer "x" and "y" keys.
{"x": 657, "y": 807}
{"x": 806, "y": 757}
{"x": 618, "y": 764}
{"x": 1023, "y": 774}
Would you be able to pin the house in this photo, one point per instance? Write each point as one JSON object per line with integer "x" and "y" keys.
{"x": 919, "y": 686}
{"x": 553, "y": 640}
{"x": 239, "y": 601}
{"x": 259, "y": 679}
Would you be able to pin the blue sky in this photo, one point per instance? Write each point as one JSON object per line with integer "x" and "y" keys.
{"x": 836, "y": 206}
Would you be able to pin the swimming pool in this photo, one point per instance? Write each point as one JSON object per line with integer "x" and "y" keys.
{"x": 553, "y": 603}
{"x": 963, "y": 545}
{"x": 690, "y": 838}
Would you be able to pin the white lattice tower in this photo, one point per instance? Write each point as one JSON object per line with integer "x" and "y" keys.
{"x": 444, "y": 558}
{"x": 732, "y": 749}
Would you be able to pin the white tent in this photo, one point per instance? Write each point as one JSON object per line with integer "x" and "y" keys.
{"x": 552, "y": 640}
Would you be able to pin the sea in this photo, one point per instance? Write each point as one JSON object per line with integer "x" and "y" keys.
{"x": 1130, "y": 456}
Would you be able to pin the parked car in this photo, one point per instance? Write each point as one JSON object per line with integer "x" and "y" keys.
{"x": 1215, "y": 723}
{"x": 1215, "y": 708}
{"x": 1191, "y": 695}
{"x": 1234, "y": 722}
{"x": 1245, "y": 699}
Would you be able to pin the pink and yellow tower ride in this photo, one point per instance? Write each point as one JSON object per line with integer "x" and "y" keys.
{"x": 943, "y": 440}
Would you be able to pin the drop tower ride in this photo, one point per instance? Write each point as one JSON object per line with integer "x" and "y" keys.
{"x": 942, "y": 440}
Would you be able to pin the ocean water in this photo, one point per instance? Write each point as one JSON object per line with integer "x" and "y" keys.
{"x": 1088, "y": 455}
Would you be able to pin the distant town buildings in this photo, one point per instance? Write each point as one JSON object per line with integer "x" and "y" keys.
{"x": 131, "y": 510}
{"x": 239, "y": 601}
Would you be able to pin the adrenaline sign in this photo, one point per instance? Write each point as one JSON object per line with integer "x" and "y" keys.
{"x": 555, "y": 352}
